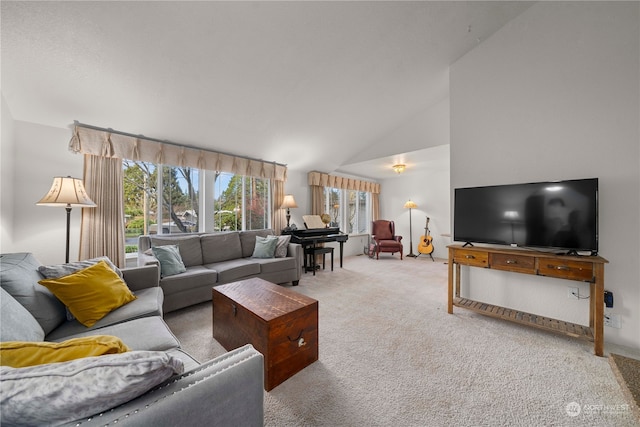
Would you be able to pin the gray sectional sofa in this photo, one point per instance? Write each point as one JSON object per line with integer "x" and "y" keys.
{"x": 227, "y": 390}
{"x": 213, "y": 259}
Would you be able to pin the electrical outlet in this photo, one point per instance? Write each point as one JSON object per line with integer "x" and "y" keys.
{"x": 573, "y": 293}
{"x": 612, "y": 320}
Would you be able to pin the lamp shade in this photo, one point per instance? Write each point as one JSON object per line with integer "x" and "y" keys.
{"x": 288, "y": 202}
{"x": 67, "y": 192}
{"x": 410, "y": 205}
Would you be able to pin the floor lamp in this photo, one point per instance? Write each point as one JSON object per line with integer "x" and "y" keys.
{"x": 410, "y": 205}
{"x": 68, "y": 193}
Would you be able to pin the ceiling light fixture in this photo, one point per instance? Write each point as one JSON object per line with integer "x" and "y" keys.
{"x": 399, "y": 168}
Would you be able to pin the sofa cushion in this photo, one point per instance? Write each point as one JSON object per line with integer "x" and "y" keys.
{"x": 235, "y": 269}
{"x": 170, "y": 260}
{"x": 148, "y": 303}
{"x": 248, "y": 240}
{"x": 19, "y": 277}
{"x": 90, "y": 293}
{"x": 194, "y": 277}
{"x": 271, "y": 265}
{"x": 265, "y": 247}
{"x": 80, "y": 388}
{"x": 19, "y": 354}
{"x": 16, "y": 323}
{"x": 147, "y": 333}
{"x": 190, "y": 249}
{"x": 218, "y": 247}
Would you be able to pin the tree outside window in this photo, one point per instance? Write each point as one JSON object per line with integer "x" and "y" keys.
{"x": 240, "y": 203}
{"x": 349, "y": 209}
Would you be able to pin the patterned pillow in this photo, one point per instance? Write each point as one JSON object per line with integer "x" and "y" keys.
{"x": 283, "y": 245}
{"x": 80, "y": 388}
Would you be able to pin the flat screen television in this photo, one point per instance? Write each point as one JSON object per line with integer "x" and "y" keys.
{"x": 558, "y": 215}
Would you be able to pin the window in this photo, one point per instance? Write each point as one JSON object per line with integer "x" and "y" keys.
{"x": 234, "y": 202}
{"x": 241, "y": 203}
{"x": 349, "y": 209}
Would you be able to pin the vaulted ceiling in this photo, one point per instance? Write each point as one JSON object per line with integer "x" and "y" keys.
{"x": 309, "y": 84}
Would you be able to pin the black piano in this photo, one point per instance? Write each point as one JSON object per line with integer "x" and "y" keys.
{"x": 313, "y": 236}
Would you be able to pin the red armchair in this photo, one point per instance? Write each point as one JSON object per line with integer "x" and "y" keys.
{"x": 384, "y": 236}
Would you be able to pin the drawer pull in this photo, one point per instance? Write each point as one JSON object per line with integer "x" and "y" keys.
{"x": 469, "y": 257}
{"x": 235, "y": 310}
{"x": 561, "y": 267}
{"x": 512, "y": 261}
{"x": 299, "y": 338}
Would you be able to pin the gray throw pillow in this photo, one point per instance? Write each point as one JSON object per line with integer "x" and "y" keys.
{"x": 170, "y": 260}
{"x": 80, "y": 388}
{"x": 265, "y": 247}
{"x": 60, "y": 270}
{"x": 19, "y": 276}
{"x": 16, "y": 323}
{"x": 282, "y": 246}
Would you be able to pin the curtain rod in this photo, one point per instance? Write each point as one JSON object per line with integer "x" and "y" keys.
{"x": 77, "y": 123}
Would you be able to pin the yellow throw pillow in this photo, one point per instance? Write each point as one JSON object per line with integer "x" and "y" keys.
{"x": 91, "y": 293}
{"x": 19, "y": 354}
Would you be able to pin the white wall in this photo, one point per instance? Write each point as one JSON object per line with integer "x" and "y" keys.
{"x": 428, "y": 187}
{"x": 554, "y": 95}
{"x": 428, "y": 128}
{"x": 39, "y": 154}
{"x": 6, "y": 177}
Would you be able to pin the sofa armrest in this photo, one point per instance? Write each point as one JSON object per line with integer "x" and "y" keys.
{"x": 144, "y": 277}
{"x": 295, "y": 250}
{"x": 144, "y": 259}
{"x": 225, "y": 391}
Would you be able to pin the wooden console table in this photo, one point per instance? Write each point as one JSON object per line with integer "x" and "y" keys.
{"x": 581, "y": 268}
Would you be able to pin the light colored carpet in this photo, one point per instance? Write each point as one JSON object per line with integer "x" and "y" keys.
{"x": 627, "y": 371}
{"x": 391, "y": 355}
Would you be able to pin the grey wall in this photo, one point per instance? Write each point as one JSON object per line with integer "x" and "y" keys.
{"x": 554, "y": 95}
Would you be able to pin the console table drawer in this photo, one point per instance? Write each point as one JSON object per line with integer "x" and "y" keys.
{"x": 510, "y": 262}
{"x": 471, "y": 257}
{"x": 566, "y": 269}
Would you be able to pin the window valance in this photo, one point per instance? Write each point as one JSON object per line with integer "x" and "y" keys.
{"x": 109, "y": 143}
{"x": 325, "y": 180}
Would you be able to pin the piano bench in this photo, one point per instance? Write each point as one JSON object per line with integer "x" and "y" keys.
{"x": 312, "y": 252}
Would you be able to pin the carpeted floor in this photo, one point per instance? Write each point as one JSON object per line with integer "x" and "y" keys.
{"x": 390, "y": 355}
{"x": 627, "y": 371}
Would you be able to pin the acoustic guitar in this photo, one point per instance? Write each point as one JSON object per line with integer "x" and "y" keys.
{"x": 426, "y": 242}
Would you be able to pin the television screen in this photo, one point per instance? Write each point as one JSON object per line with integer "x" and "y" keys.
{"x": 560, "y": 215}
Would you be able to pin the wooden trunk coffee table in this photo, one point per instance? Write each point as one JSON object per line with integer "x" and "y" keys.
{"x": 280, "y": 323}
